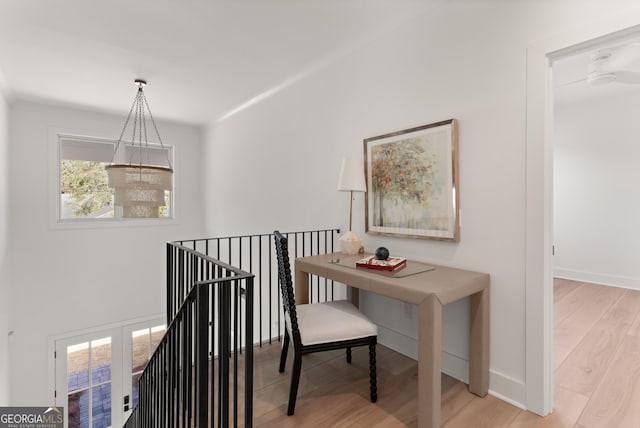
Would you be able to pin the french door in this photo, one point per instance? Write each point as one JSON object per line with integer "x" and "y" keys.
{"x": 97, "y": 372}
{"x": 142, "y": 340}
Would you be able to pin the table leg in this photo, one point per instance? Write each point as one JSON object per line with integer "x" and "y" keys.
{"x": 429, "y": 362}
{"x": 354, "y": 296}
{"x": 479, "y": 343}
{"x": 302, "y": 287}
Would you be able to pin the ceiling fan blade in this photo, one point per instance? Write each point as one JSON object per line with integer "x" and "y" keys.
{"x": 632, "y": 77}
{"x": 597, "y": 78}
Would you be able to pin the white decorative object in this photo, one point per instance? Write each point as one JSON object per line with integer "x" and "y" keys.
{"x": 350, "y": 243}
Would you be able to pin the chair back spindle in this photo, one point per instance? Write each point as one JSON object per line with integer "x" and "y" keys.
{"x": 286, "y": 284}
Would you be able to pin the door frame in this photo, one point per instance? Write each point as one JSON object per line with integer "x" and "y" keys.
{"x": 115, "y": 335}
{"x": 117, "y": 381}
{"x": 539, "y": 196}
{"x": 127, "y": 362}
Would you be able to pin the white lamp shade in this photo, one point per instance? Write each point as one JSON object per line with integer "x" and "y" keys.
{"x": 352, "y": 176}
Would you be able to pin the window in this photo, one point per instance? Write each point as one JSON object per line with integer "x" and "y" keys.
{"x": 83, "y": 192}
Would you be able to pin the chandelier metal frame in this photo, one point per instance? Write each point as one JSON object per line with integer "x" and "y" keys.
{"x": 139, "y": 188}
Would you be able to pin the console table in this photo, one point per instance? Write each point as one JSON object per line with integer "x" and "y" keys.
{"x": 429, "y": 287}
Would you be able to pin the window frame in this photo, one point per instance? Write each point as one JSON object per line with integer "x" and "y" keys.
{"x": 55, "y": 207}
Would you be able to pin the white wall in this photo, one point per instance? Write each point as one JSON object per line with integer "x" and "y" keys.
{"x": 465, "y": 60}
{"x": 4, "y": 230}
{"x": 596, "y": 193}
{"x": 67, "y": 280}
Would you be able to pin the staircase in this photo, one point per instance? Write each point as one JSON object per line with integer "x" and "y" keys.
{"x": 222, "y": 300}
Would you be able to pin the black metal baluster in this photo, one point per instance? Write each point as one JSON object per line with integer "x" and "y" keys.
{"x": 271, "y": 293}
{"x": 248, "y": 366}
{"x": 238, "y": 313}
{"x": 202, "y": 354}
{"x": 225, "y": 333}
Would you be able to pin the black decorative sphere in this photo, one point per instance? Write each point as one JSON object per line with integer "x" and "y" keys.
{"x": 382, "y": 253}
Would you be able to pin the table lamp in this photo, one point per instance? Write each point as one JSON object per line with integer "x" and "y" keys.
{"x": 351, "y": 180}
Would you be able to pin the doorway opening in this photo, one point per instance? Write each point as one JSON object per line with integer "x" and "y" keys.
{"x": 539, "y": 197}
{"x": 596, "y": 103}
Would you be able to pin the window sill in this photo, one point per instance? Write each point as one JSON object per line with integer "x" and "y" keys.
{"x": 110, "y": 223}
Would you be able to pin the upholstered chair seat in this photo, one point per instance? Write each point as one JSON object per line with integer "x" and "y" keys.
{"x": 331, "y": 322}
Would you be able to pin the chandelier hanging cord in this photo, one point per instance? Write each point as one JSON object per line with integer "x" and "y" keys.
{"x": 153, "y": 122}
{"x": 141, "y": 190}
{"x": 124, "y": 128}
{"x": 140, "y": 125}
{"x": 139, "y": 122}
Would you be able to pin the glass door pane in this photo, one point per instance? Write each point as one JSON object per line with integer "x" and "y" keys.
{"x": 88, "y": 381}
{"x": 143, "y": 343}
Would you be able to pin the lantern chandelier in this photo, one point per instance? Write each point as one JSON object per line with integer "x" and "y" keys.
{"x": 139, "y": 187}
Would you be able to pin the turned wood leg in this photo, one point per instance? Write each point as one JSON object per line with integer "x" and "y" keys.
{"x": 372, "y": 373}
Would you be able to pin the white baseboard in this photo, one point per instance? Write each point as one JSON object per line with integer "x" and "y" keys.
{"x": 455, "y": 366}
{"x": 507, "y": 389}
{"x": 501, "y": 386}
{"x": 399, "y": 342}
{"x": 597, "y": 278}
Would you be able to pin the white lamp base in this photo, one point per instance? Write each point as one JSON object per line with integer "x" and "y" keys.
{"x": 350, "y": 243}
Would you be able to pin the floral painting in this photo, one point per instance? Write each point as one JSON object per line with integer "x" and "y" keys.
{"x": 412, "y": 182}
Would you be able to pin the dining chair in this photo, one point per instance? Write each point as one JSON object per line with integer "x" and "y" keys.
{"x": 320, "y": 327}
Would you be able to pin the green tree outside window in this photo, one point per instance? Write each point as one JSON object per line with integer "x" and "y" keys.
{"x": 85, "y": 183}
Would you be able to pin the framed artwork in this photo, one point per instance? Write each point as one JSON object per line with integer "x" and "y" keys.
{"x": 412, "y": 182}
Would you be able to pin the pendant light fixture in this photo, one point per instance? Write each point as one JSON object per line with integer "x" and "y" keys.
{"x": 139, "y": 186}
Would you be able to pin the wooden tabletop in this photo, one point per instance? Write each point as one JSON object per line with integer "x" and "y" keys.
{"x": 448, "y": 284}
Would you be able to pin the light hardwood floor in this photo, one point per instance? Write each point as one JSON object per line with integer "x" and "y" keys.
{"x": 597, "y": 377}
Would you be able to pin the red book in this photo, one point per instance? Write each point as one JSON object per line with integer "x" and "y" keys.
{"x": 391, "y": 264}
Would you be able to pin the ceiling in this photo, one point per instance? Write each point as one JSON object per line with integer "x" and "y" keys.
{"x": 570, "y": 71}
{"x": 203, "y": 60}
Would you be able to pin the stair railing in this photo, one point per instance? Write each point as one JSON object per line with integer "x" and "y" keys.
{"x": 222, "y": 300}
{"x": 256, "y": 254}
